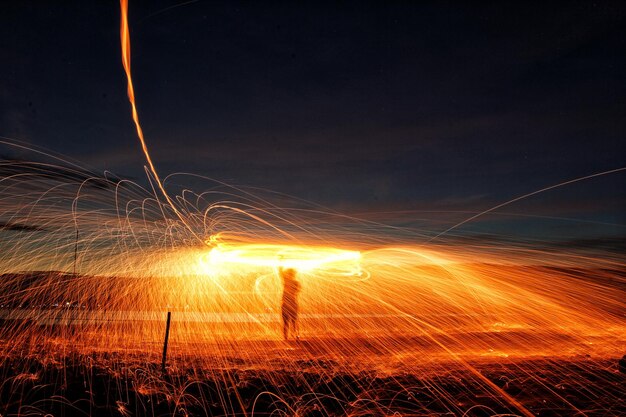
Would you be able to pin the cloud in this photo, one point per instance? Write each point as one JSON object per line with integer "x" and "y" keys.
{"x": 613, "y": 244}
{"x": 60, "y": 173}
{"x": 20, "y": 227}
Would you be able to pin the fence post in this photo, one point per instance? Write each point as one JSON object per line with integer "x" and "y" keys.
{"x": 167, "y": 336}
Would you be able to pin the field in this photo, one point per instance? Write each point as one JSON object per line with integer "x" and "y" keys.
{"x": 402, "y": 357}
{"x": 300, "y": 380}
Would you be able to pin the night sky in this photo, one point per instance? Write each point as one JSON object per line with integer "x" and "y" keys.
{"x": 360, "y": 106}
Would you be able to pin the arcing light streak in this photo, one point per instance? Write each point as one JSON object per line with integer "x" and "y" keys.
{"x": 125, "y": 42}
{"x": 522, "y": 197}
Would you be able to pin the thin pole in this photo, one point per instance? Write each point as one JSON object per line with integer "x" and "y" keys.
{"x": 75, "y": 251}
{"x": 167, "y": 336}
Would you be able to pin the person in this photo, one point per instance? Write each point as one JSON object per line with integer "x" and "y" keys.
{"x": 289, "y": 307}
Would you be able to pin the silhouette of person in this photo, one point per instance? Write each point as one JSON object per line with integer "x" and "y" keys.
{"x": 289, "y": 307}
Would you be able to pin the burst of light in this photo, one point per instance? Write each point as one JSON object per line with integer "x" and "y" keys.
{"x": 225, "y": 255}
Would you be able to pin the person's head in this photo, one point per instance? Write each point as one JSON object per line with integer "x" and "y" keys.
{"x": 289, "y": 274}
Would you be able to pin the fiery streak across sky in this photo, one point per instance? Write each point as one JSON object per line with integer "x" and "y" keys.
{"x": 125, "y": 43}
{"x": 260, "y": 255}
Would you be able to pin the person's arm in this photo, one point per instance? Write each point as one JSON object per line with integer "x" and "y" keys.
{"x": 281, "y": 268}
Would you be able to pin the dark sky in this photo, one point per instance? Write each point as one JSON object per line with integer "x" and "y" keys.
{"x": 368, "y": 105}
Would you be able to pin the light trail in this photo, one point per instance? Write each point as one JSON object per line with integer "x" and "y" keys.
{"x": 522, "y": 197}
{"x": 125, "y": 44}
{"x": 303, "y": 258}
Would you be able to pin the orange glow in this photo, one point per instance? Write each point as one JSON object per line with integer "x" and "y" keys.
{"x": 303, "y": 258}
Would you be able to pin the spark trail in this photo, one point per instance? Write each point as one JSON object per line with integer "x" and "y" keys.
{"x": 125, "y": 44}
